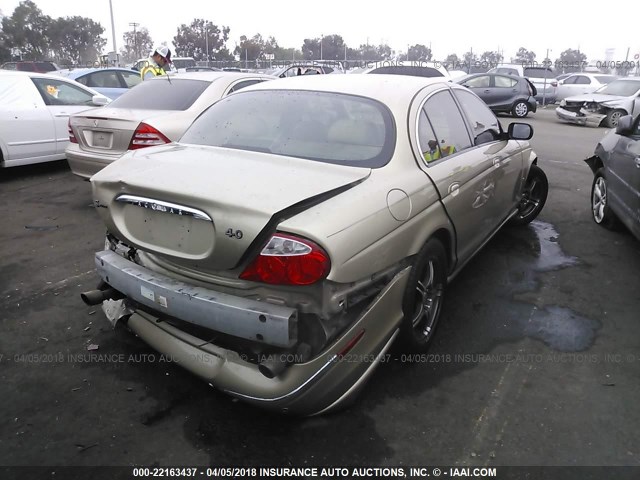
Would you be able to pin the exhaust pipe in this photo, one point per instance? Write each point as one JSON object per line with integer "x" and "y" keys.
{"x": 275, "y": 364}
{"x": 96, "y": 297}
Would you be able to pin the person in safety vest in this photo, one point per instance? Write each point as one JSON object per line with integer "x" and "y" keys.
{"x": 435, "y": 152}
{"x": 159, "y": 57}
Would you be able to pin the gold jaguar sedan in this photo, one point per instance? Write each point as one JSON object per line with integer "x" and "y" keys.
{"x": 301, "y": 226}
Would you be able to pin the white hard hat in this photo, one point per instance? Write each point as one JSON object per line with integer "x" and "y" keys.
{"x": 163, "y": 51}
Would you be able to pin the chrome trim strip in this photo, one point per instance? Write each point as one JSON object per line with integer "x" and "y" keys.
{"x": 365, "y": 376}
{"x": 164, "y": 207}
{"x": 321, "y": 370}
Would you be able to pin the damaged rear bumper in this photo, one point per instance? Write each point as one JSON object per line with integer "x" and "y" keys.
{"x": 320, "y": 384}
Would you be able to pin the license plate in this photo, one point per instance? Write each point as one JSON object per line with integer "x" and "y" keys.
{"x": 102, "y": 139}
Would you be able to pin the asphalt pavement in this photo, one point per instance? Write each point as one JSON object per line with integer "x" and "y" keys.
{"x": 536, "y": 360}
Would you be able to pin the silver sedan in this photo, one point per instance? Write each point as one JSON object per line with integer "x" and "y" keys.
{"x": 156, "y": 112}
{"x": 301, "y": 226}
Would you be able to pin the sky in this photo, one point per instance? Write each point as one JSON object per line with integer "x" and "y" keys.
{"x": 448, "y": 27}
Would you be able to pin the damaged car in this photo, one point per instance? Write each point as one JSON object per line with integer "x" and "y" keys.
{"x": 603, "y": 107}
{"x": 299, "y": 227}
{"x": 615, "y": 192}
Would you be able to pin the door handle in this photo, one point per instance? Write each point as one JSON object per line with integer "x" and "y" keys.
{"x": 487, "y": 91}
{"x": 496, "y": 162}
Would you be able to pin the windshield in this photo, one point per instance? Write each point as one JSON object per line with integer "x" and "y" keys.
{"x": 621, "y": 88}
{"x": 605, "y": 78}
{"x": 161, "y": 94}
{"x": 325, "y": 127}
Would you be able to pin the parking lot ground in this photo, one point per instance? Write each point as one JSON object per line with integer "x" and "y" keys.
{"x": 536, "y": 360}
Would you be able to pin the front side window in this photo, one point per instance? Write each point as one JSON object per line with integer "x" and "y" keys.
{"x": 484, "y": 123}
{"x": 58, "y": 92}
{"x": 447, "y": 123}
{"x": 162, "y": 93}
{"x": 478, "y": 82}
{"x": 319, "y": 126}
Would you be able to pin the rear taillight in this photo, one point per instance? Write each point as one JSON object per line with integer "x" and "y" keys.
{"x": 288, "y": 260}
{"x": 147, "y": 136}
{"x": 72, "y": 137}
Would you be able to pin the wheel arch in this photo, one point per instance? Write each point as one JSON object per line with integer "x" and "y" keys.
{"x": 446, "y": 238}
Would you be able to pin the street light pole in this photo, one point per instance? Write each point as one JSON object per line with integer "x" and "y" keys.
{"x": 113, "y": 30}
{"x": 544, "y": 88}
{"x": 321, "y": 38}
{"x": 206, "y": 41}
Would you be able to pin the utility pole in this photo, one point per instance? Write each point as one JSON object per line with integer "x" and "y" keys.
{"x": 321, "y": 38}
{"x": 135, "y": 39}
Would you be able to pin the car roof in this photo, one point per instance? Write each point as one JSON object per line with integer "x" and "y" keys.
{"x": 388, "y": 89}
{"x": 78, "y": 72}
{"x": 210, "y": 76}
{"x": 52, "y": 75}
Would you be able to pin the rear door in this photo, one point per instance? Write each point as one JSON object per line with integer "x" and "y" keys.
{"x": 464, "y": 176}
{"x": 504, "y": 90}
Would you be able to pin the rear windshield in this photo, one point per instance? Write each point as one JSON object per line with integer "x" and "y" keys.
{"x": 184, "y": 62}
{"x": 508, "y": 71}
{"x": 325, "y": 127}
{"x": 409, "y": 70}
{"x": 161, "y": 94}
{"x": 623, "y": 88}
{"x": 539, "y": 72}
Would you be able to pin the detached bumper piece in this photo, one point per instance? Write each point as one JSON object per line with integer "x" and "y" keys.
{"x": 580, "y": 116}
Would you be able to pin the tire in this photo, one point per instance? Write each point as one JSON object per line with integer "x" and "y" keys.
{"x": 534, "y": 196}
{"x": 611, "y": 120}
{"x": 600, "y": 210}
{"x": 423, "y": 297}
{"x": 520, "y": 109}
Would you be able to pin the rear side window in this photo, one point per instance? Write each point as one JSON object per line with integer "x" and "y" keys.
{"x": 104, "y": 79}
{"x": 507, "y": 71}
{"x": 505, "y": 82}
{"x": 162, "y": 93}
{"x": 325, "y": 127}
{"x": 448, "y": 125}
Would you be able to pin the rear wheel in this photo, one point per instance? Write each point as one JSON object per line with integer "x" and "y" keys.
{"x": 602, "y": 214}
{"x": 423, "y": 296}
{"x": 612, "y": 118}
{"x": 534, "y": 196}
{"x": 520, "y": 109}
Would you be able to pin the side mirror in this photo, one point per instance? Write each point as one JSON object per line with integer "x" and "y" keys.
{"x": 625, "y": 125}
{"x": 520, "y": 131}
{"x": 100, "y": 100}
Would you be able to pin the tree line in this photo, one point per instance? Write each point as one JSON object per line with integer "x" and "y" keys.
{"x": 31, "y": 35}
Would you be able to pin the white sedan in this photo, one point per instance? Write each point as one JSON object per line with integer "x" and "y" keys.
{"x": 581, "y": 83}
{"x": 34, "y": 115}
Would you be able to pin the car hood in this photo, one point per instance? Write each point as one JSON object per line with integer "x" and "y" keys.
{"x": 596, "y": 98}
{"x": 210, "y": 208}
